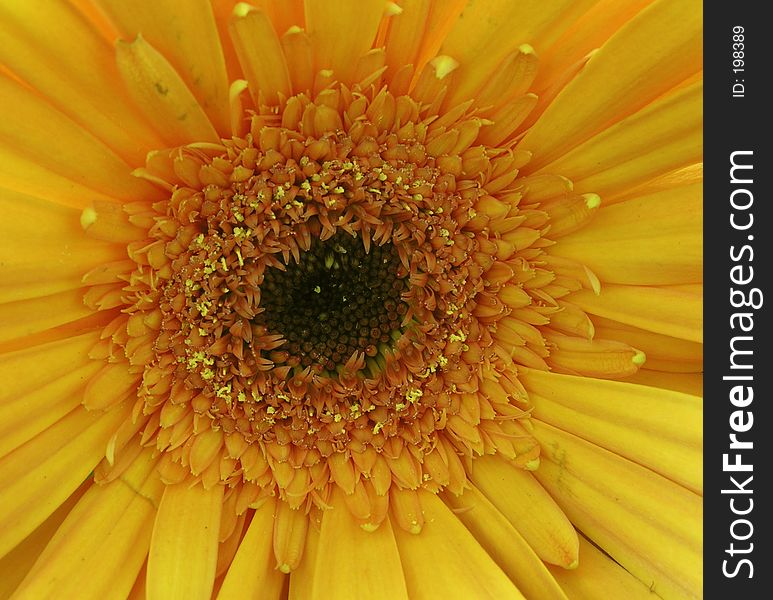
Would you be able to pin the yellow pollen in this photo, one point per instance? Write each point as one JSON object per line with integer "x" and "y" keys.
{"x": 592, "y": 200}
{"x": 532, "y": 465}
{"x": 239, "y": 256}
{"x": 391, "y": 9}
{"x": 413, "y": 395}
{"x": 444, "y": 65}
{"x": 88, "y": 217}
{"x": 639, "y": 358}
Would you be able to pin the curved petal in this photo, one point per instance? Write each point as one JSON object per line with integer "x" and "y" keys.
{"x": 665, "y": 310}
{"x": 504, "y": 544}
{"x": 367, "y": 564}
{"x": 191, "y": 44}
{"x": 184, "y": 544}
{"x": 487, "y": 32}
{"x": 253, "y": 573}
{"x": 651, "y": 54}
{"x": 161, "y": 94}
{"x": 656, "y": 239}
{"x": 649, "y": 524}
{"x": 326, "y": 20}
{"x": 428, "y": 572}
{"x": 599, "y": 572}
{"x": 663, "y": 433}
{"x": 39, "y": 475}
{"x": 34, "y": 129}
{"x": 63, "y": 56}
{"x": 103, "y": 542}
{"x": 665, "y": 136}
{"x": 17, "y": 563}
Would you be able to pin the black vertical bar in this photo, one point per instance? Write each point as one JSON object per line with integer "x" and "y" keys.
{"x": 737, "y": 546}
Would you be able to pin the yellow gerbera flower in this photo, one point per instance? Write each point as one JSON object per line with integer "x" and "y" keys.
{"x": 350, "y": 299}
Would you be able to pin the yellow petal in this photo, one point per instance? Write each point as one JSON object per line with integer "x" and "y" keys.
{"x": 63, "y": 146}
{"x": 530, "y": 509}
{"x": 603, "y": 358}
{"x": 664, "y": 136}
{"x": 687, "y": 175}
{"x": 664, "y": 353}
{"x": 663, "y": 310}
{"x": 290, "y": 528}
{"x": 162, "y": 95}
{"x": 462, "y": 569}
{"x": 23, "y": 416}
{"x": 64, "y": 58}
{"x": 108, "y": 221}
{"x": 183, "y": 548}
{"x": 24, "y": 174}
{"x": 687, "y": 383}
{"x": 112, "y": 383}
{"x": 39, "y": 475}
{"x": 487, "y": 32}
{"x": 189, "y": 41}
{"x": 296, "y": 46}
{"x": 599, "y": 572}
{"x": 405, "y": 34}
{"x": 60, "y": 357}
{"x": 658, "y": 429}
{"x": 649, "y": 524}
{"x": 16, "y": 564}
{"x": 44, "y": 248}
{"x": 504, "y": 544}
{"x": 656, "y": 50}
{"x": 367, "y": 564}
{"x": 302, "y": 579}
{"x": 655, "y": 239}
{"x": 23, "y": 318}
{"x": 260, "y": 54}
{"x": 284, "y": 14}
{"x": 102, "y": 544}
{"x": 90, "y": 323}
{"x": 253, "y": 574}
{"x": 586, "y": 34}
{"x": 441, "y": 19}
{"x": 341, "y": 31}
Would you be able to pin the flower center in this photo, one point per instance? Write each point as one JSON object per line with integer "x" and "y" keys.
{"x": 336, "y": 301}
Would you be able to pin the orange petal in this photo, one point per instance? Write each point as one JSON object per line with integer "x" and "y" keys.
{"x": 190, "y": 43}
{"x": 162, "y": 95}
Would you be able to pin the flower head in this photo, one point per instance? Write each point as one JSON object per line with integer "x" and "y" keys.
{"x": 335, "y": 295}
